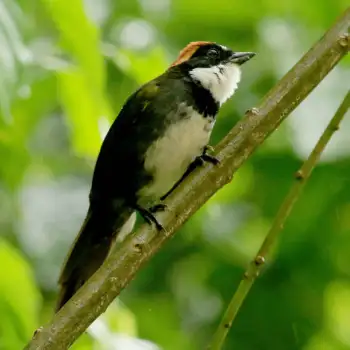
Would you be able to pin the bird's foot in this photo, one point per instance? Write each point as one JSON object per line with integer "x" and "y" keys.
{"x": 208, "y": 148}
{"x": 199, "y": 161}
{"x": 158, "y": 207}
{"x": 205, "y": 157}
{"x": 148, "y": 216}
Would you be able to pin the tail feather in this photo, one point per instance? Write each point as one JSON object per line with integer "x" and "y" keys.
{"x": 90, "y": 249}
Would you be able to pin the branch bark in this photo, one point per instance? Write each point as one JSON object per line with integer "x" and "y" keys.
{"x": 255, "y": 267}
{"x": 124, "y": 262}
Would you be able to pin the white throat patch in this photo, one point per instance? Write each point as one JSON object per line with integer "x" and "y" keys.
{"x": 221, "y": 80}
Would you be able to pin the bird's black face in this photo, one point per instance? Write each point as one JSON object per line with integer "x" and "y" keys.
{"x": 213, "y": 54}
{"x": 215, "y": 67}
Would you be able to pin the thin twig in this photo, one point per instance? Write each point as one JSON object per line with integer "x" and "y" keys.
{"x": 124, "y": 262}
{"x": 253, "y": 271}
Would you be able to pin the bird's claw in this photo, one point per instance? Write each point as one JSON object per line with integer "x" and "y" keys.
{"x": 149, "y": 217}
{"x": 210, "y": 159}
{"x": 205, "y": 157}
{"x": 208, "y": 148}
{"x": 158, "y": 207}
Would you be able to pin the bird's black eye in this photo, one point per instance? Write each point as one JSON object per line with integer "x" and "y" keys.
{"x": 213, "y": 53}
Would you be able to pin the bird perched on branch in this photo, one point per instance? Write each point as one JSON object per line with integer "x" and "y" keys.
{"x": 161, "y": 130}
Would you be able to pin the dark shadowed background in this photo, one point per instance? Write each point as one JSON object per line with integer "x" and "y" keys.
{"x": 66, "y": 66}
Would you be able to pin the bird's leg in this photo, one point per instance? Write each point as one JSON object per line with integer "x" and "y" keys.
{"x": 189, "y": 170}
{"x": 199, "y": 161}
{"x": 205, "y": 157}
{"x": 158, "y": 207}
{"x": 148, "y": 216}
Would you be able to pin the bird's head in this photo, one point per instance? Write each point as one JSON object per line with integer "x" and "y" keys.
{"x": 213, "y": 66}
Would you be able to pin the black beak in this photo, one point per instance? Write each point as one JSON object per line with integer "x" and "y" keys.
{"x": 241, "y": 57}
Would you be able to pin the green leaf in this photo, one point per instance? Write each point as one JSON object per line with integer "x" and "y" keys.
{"x": 80, "y": 37}
{"x": 19, "y": 299}
{"x": 84, "y": 342}
{"x": 120, "y": 319}
{"x": 13, "y": 54}
{"x": 84, "y": 110}
{"x": 142, "y": 67}
{"x": 82, "y": 89}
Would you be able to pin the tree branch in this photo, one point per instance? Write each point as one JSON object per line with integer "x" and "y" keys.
{"x": 255, "y": 267}
{"x": 124, "y": 262}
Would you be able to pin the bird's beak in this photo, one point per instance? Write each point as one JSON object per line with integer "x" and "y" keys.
{"x": 241, "y": 57}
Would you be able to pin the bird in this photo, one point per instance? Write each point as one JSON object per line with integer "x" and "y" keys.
{"x": 163, "y": 129}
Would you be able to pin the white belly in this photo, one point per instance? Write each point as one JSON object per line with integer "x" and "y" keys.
{"x": 168, "y": 158}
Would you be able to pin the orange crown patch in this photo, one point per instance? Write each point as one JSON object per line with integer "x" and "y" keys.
{"x": 186, "y": 53}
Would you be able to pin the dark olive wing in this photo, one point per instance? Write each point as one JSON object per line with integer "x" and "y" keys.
{"x": 119, "y": 168}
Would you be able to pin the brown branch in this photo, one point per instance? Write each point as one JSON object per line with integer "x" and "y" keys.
{"x": 124, "y": 262}
{"x": 254, "y": 269}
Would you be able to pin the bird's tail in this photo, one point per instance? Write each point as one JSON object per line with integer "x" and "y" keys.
{"x": 91, "y": 247}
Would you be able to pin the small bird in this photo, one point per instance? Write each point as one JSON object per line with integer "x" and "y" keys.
{"x": 161, "y": 130}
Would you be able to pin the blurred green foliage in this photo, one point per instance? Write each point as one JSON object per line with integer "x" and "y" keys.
{"x": 66, "y": 67}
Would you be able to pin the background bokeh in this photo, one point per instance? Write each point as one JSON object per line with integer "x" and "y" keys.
{"x": 66, "y": 66}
